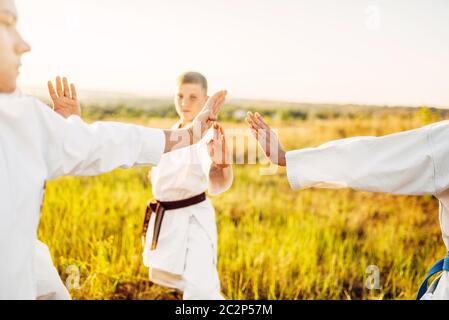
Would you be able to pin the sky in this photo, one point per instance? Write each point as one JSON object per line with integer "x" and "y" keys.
{"x": 387, "y": 52}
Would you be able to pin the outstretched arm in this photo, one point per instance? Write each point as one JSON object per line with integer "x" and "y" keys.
{"x": 66, "y": 103}
{"x": 410, "y": 162}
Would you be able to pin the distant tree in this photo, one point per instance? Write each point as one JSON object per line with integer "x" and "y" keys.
{"x": 425, "y": 115}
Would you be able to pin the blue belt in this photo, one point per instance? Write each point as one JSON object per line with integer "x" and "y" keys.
{"x": 442, "y": 265}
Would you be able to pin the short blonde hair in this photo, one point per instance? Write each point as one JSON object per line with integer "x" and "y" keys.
{"x": 193, "y": 77}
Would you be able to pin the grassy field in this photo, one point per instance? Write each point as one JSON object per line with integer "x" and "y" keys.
{"x": 274, "y": 243}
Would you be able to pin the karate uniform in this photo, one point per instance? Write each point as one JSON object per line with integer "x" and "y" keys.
{"x": 49, "y": 284}
{"x": 186, "y": 254}
{"x": 414, "y": 162}
{"x": 37, "y": 145}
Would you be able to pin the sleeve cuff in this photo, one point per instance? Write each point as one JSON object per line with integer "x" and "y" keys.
{"x": 153, "y": 146}
{"x": 74, "y": 118}
{"x": 292, "y": 170}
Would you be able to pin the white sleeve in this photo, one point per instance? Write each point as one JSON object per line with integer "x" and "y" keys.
{"x": 77, "y": 148}
{"x": 439, "y": 146}
{"x": 410, "y": 163}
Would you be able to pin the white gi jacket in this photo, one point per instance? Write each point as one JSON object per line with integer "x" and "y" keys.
{"x": 414, "y": 162}
{"x": 181, "y": 174}
{"x": 36, "y": 145}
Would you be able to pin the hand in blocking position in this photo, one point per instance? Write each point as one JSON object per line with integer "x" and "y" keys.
{"x": 218, "y": 149}
{"x": 268, "y": 140}
{"x": 208, "y": 115}
{"x": 193, "y": 133}
{"x": 65, "y": 100}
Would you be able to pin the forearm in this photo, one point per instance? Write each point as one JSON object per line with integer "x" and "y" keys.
{"x": 399, "y": 164}
{"x": 77, "y": 148}
{"x": 220, "y": 178}
{"x": 177, "y": 139}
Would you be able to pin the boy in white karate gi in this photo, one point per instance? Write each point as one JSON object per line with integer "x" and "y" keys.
{"x": 37, "y": 144}
{"x": 49, "y": 284}
{"x": 412, "y": 162}
{"x": 185, "y": 254}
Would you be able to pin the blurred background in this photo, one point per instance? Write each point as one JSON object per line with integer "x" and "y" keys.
{"x": 351, "y": 51}
{"x": 318, "y": 70}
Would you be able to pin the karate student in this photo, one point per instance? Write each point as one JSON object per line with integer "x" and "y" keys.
{"x": 37, "y": 144}
{"x": 49, "y": 285}
{"x": 412, "y": 162}
{"x": 181, "y": 248}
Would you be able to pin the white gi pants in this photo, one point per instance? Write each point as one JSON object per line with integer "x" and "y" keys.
{"x": 49, "y": 284}
{"x": 199, "y": 280}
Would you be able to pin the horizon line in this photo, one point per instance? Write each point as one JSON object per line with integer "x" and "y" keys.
{"x": 39, "y": 90}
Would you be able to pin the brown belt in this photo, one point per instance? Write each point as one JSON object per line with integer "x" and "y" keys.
{"x": 159, "y": 208}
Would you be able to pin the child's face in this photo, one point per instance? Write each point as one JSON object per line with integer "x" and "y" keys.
{"x": 189, "y": 101}
{"x": 12, "y": 46}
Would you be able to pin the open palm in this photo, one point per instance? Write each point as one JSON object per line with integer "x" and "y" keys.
{"x": 217, "y": 148}
{"x": 208, "y": 115}
{"x": 267, "y": 138}
{"x": 65, "y": 100}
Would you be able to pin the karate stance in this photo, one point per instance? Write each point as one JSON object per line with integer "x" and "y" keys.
{"x": 180, "y": 229}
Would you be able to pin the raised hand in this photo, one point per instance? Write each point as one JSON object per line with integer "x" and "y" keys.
{"x": 217, "y": 148}
{"x": 65, "y": 100}
{"x": 268, "y": 140}
{"x": 204, "y": 120}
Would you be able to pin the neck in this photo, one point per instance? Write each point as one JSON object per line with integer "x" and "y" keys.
{"x": 12, "y": 94}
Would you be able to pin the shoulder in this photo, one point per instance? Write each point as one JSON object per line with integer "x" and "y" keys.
{"x": 22, "y": 107}
{"x": 439, "y": 133}
{"x": 31, "y": 115}
{"x": 441, "y": 125}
